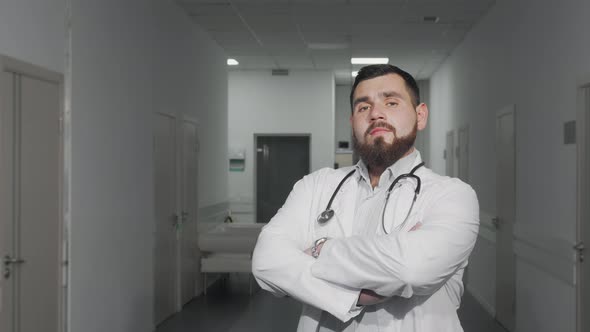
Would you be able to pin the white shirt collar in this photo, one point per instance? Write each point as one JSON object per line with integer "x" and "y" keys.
{"x": 402, "y": 166}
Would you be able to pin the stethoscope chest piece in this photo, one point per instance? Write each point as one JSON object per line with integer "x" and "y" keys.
{"x": 325, "y": 216}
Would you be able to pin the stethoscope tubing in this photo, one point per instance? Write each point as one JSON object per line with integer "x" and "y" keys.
{"x": 328, "y": 213}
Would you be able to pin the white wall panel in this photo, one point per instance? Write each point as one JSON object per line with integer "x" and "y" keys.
{"x": 342, "y": 127}
{"x": 131, "y": 59}
{"x": 527, "y": 53}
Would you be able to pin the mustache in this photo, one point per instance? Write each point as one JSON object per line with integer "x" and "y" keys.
{"x": 380, "y": 124}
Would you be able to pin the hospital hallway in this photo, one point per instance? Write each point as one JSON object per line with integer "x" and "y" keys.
{"x": 145, "y": 143}
{"x": 229, "y": 308}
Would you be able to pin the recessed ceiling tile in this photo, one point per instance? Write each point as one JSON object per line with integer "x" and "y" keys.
{"x": 217, "y": 9}
{"x": 218, "y": 23}
{"x": 294, "y": 62}
{"x": 259, "y": 2}
{"x": 238, "y": 50}
{"x": 331, "y": 61}
{"x": 279, "y": 50}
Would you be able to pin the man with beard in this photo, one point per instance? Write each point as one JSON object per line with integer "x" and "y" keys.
{"x": 379, "y": 246}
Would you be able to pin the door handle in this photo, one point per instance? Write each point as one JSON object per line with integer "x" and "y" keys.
{"x": 579, "y": 247}
{"x": 10, "y": 261}
{"x": 496, "y": 222}
{"x": 7, "y": 260}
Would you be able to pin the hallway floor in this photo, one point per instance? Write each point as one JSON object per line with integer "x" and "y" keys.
{"x": 229, "y": 308}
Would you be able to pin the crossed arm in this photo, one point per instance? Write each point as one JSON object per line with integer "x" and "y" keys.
{"x": 364, "y": 269}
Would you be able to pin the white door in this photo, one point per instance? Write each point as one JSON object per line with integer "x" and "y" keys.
{"x": 167, "y": 221}
{"x": 450, "y": 153}
{"x": 30, "y": 213}
{"x": 583, "y": 223}
{"x": 504, "y": 221}
{"x": 463, "y": 158}
{"x": 189, "y": 255}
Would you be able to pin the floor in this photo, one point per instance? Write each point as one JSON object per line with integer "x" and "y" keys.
{"x": 228, "y": 307}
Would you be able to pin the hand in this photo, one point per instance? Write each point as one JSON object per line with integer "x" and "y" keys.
{"x": 318, "y": 249}
{"x": 415, "y": 227}
{"x": 368, "y": 297}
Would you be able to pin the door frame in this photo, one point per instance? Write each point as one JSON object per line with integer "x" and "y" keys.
{"x": 181, "y": 180}
{"x": 450, "y": 163}
{"x": 16, "y": 66}
{"x": 463, "y": 155}
{"x": 176, "y": 287}
{"x": 255, "y": 166}
{"x": 582, "y": 190}
{"x": 509, "y": 109}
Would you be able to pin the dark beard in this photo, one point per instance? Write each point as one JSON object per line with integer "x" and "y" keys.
{"x": 380, "y": 155}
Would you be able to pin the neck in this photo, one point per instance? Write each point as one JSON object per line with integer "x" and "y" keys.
{"x": 375, "y": 175}
{"x": 376, "y": 171}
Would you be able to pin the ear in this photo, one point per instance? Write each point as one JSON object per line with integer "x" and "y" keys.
{"x": 422, "y": 116}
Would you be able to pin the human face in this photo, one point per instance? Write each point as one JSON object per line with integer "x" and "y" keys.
{"x": 385, "y": 100}
{"x": 383, "y": 115}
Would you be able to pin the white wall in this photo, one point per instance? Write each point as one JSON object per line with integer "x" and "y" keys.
{"x": 131, "y": 59}
{"x": 191, "y": 79}
{"x": 34, "y": 31}
{"x": 531, "y": 54}
{"x": 423, "y": 138}
{"x": 343, "y": 129}
{"x": 301, "y": 103}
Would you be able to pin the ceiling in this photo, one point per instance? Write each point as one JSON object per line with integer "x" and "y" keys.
{"x": 325, "y": 34}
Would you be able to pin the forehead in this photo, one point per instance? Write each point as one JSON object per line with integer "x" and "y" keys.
{"x": 380, "y": 84}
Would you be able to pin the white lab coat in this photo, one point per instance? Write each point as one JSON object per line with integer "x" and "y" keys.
{"x": 420, "y": 270}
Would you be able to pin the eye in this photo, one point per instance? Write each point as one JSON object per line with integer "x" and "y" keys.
{"x": 392, "y": 103}
{"x": 363, "y": 108}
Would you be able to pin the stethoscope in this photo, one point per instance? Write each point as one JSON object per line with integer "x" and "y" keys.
{"x": 328, "y": 213}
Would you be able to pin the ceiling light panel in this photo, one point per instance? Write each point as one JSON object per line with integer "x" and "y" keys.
{"x": 368, "y": 61}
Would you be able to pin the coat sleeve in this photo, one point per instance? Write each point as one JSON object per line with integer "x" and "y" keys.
{"x": 281, "y": 267}
{"x": 408, "y": 263}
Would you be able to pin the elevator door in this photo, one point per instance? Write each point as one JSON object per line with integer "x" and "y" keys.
{"x": 280, "y": 162}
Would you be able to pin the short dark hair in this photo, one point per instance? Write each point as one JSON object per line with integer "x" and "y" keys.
{"x": 373, "y": 71}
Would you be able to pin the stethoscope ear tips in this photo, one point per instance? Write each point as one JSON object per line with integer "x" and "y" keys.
{"x": 325, "y": 216}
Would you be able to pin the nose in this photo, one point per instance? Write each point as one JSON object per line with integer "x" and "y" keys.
{"x": 377, "y": 113}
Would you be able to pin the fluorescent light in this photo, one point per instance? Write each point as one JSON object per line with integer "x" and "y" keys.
{"x": 232, "y": 62}
{"x": 368, "y": 61}
{"x": 354, "y": 73}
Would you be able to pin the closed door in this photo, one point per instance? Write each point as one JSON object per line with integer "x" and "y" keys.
{"x": 463, "y": 158}
{"x": 167, "y": 222}
{"x": 189, "y": 255}
{"x": 450, "y": 154}
{"x": 583, "y": 224}
{"x": 30, "y": 207}
{"x": 281, "y": 161}
{"x": 504, "y": 221}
